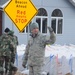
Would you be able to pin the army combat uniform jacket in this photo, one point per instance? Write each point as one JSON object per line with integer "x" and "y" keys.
{"x": 35, "y": 50}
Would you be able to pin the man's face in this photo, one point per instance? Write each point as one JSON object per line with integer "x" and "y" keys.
{"x": 35, "y": 31}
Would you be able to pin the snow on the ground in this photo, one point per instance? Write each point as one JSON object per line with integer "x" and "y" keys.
{"x": 21, "y": 49}
{"x": 61, "y": 50}
{"x": 65, "y": 50}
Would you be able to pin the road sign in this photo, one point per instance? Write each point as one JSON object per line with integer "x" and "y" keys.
{"x": 20, "y": 12}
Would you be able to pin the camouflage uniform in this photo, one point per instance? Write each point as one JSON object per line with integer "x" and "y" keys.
{"x": 15, "y": 41}
{"x": 6, "y": 46}
{"x": 1, "y": 59}
{"x": 13, "y": 52}
{"x": 35, "y": 51}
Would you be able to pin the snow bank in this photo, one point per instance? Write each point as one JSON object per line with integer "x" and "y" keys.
{"x": 58, "y": 59}
{"x": 65, "y": 50}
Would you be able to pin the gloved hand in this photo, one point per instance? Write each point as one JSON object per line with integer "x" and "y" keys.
{"x": 50, "y": 29}
{"x": 24, "y": 65}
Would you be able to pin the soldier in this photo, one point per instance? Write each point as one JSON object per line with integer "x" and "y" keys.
{"x": 15, "y": 40}
{"x": 13, "y": 52}
{"x": 35, "y": 49}
{"x": 6, "y": 46}
{"x": 1, "y": 60}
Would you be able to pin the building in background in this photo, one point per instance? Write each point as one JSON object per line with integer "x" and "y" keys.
{"x": 58, "y": 14}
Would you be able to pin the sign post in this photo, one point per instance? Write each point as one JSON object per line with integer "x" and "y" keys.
{"x": 20, "y": 12}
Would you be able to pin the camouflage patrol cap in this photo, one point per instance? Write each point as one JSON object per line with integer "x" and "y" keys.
{"x": 33, "y": 26}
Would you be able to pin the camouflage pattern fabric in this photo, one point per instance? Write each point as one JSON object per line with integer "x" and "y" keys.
{"x": 6, "y": 45}
{"x": 13, "y": 52}
{"x": 35, "y": 50}
{"x": 15, "y": 41}
{"x": 1, "y": 65}
{"x": 35, "y": 70}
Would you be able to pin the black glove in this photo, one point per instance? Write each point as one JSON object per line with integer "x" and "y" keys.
{"x": 50, "y": 29}
{"x": 24, "y": 65}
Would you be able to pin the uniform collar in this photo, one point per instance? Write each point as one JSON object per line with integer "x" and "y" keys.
{"x": 36, "y": 35}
